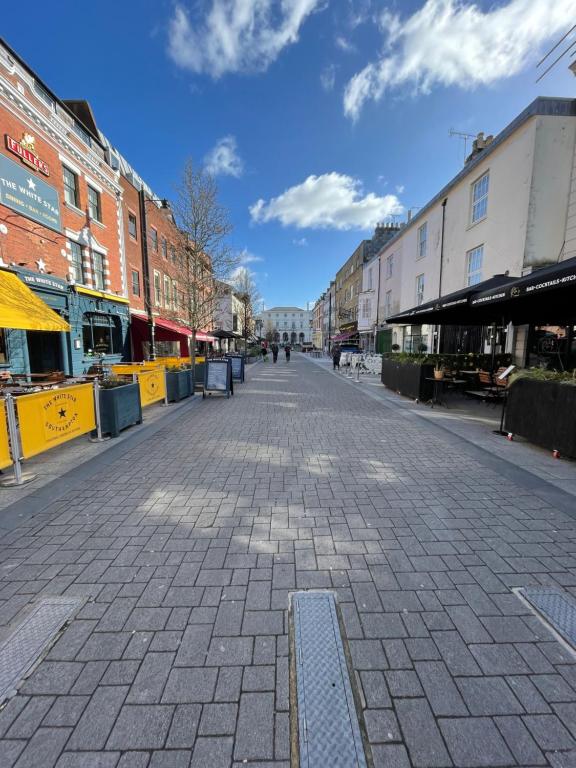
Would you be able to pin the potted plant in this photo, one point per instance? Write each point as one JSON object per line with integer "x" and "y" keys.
{"x": 119, "y": 405}
{"x": 178, "y": 383}
{"x": 395, "y": 347}
{"x": 439, "y": 368}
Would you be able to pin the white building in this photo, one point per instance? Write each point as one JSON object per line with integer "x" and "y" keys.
{"x": 509, "y": 210}
{"x": 368, "y": 314}
{"x": 289, "y": 325}
{"x": 229, "y": 318}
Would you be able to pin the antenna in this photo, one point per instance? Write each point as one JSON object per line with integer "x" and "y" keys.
{"x": 463, "y": 137}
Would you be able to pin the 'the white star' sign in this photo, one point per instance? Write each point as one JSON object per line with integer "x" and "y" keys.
{"x": 31, "y": 184}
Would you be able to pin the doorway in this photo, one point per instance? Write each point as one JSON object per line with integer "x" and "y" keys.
{"x": 44, "y": 351}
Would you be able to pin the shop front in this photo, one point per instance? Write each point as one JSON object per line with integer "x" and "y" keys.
{"x": 94, "y": 328}
{"x": 171, "y": 339}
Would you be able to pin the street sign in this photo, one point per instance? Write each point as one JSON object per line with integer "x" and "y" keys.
{"x": 218, "y": 377}
{"x": 237, "y": 366}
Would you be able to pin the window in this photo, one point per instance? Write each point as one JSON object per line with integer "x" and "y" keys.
{"x": 71, "y": 193}
{"x": 135, "y": 282}
{"x": 390, "y": 265}
{"x": 474, "y": 259}
{"x": 419, "y": 289}
{"x": 132, "y": 226}
{"x": 44, "y": 95}
{"x": 77, "y": 265}
{"x": 234, "y": 322}
{"x": 98, "y": 270}
{"x": 101, "y": 334}
{"x": 164, "y": 248}
{"x": 370, "y": 279}
{"x": 84, "y": 135}
{"x": 366, "y": 308}
{"x": 167, "y": 291}
{"x": 3, "y": 350}
{"x": 154, "y": 238}
{"x": 480, "y": 198}
{"x": 94, "y": 204}
{"x": 157, "y": 289}
{"x": 173, "y": 254}
{"x": 387, "y": 305}
{"x": 422, "y": 240}
{"x": 174, "y": 294}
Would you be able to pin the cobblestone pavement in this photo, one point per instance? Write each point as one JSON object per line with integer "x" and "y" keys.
{"x": 189, "y": 547}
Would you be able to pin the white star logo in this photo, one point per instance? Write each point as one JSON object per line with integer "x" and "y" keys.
{"x": 31, "y": 184}
{"x": 41, "y": 265}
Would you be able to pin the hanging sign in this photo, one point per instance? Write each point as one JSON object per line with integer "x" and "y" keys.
{"x": 28, "y": 195}
{"x": 55, "y": 416}
{"x": 25, "y": 149}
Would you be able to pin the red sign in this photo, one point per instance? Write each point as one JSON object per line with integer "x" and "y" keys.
{"x": 26, "y": 152}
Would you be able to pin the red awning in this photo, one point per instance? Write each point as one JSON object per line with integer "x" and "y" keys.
{"x": 204, "y": 336}
{"x": 170, "y": 325}
{"x": 344, "y": 336}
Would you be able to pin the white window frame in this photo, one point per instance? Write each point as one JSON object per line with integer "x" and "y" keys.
{"x": 422, "y": 236}
{"x": 480, "y": 202}
{"x": 387, "y": 304}
{"x": 474, "y": 276}
{"x": 420, "y": 283}
{"x": 167, "y": 291}
{"x": 157, "y": 289}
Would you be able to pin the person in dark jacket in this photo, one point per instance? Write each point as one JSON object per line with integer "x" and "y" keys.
{"x": 274, "y": 349}
{"x": 336, "y": 353}
{"x": 287, "y": 351}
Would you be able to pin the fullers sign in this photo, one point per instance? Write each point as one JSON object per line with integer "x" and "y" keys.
{"x": 26, "y": 151}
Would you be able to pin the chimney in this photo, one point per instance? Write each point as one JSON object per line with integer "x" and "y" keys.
{"x": 409, "y": 215}
{"x": 480, "y": 143}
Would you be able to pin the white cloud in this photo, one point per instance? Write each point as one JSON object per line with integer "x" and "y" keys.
{"x": 330, "y": 201}
{"x": 300, "y": 242}
{"x": 453, "y": 42}
{"x": 344, "y": 44}
{"x": 245, "y": 257}
{"x": 328, "y": 77}
{"x": 236, "y": 35}
{"x": 400, "y": 189}
{"x": 223, "y": 158}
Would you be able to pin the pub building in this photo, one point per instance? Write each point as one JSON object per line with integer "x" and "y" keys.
{"x": 60, "y": 228}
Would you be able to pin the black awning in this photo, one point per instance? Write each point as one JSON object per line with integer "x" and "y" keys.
{"x": 452, "y": 309}
{"x": 546, "y": 296}
{"x": 220, "y": 334}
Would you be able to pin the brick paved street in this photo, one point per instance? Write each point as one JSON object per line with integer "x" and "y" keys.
{"x": 189, "y": 547}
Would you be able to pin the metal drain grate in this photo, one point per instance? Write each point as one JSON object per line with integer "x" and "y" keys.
{"x": 557, "y": 607}
{"x": 20, "y": 651}
{"x": 328, "y": 729}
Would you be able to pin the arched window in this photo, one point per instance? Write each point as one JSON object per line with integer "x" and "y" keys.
{"x": 284, "y": 336}
{"x": 293, "y": 338}
{"x": 301, "y": 338}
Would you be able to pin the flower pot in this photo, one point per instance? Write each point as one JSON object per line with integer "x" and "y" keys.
{"x": 120, "y": 408}
{"x": 438, "y": 375}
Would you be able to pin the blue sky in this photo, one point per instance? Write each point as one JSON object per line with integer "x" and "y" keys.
{"x": 320, "y": 117}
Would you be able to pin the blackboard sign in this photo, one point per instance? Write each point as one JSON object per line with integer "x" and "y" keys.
{"x": 218, "y": 377}
{"x": 237, "y": 367}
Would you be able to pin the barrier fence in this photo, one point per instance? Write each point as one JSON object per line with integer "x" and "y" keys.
{"x": 33, "y": 423}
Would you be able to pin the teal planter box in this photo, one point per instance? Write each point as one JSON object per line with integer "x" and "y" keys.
{"x": 178, "y": 385}
{"x": 120, "y": 408}
{"x": 199, "y": 375}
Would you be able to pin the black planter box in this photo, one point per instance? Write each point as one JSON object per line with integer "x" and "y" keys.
{"x": 120, "y": 408}
{"x": 544, "y": 412}
{"x": 408, "y": 379}
{"x": 178, "y": 385}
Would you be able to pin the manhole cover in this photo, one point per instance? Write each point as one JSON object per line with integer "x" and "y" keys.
{"x": 557, "y": 607}
{"x": 328, "y": 729}
{"x": 20, "y": 651}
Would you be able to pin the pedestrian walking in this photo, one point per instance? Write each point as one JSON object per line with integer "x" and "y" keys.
{"x": 264, "y": 353}
{"x": 275, "y": 350}
{"x": 336, "y": 353}
{"x": 287, "y": 352}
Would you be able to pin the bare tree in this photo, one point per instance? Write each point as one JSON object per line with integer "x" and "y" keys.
{"x": 204, "y": 257}
{"x": 246, "y": 290}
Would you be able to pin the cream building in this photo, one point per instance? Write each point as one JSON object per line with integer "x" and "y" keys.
{"x": 511, "y": 209}
{"x": 290, "y": 325}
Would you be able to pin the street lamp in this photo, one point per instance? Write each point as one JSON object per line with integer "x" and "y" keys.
{"x": 142, "y": 199}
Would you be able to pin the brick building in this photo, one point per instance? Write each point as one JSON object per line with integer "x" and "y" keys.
{"x": 60, "y": 225}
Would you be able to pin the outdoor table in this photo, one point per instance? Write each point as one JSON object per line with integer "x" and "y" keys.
{"x": 438, "y": 391}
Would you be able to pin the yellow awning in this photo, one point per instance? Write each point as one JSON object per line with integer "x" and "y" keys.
{"x": 22, "y": 308}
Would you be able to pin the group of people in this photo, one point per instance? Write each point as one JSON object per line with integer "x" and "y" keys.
{"x": 274, "y": 348}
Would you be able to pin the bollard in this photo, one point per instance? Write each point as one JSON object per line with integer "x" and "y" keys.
{"x": 19, "y": 477}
